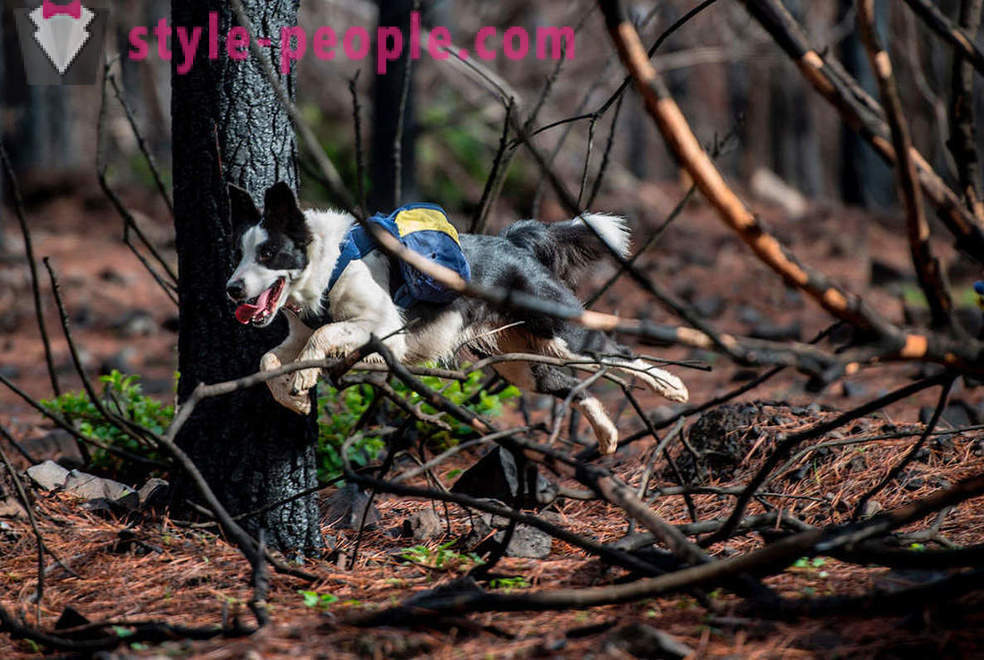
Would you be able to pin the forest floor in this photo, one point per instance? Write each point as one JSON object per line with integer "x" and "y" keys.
{"x": 151, "y": 567}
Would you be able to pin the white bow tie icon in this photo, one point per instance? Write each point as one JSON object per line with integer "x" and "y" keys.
{"x": 61, "y": 37}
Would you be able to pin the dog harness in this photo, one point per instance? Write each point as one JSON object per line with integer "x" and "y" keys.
{"x": 423, "y": 228}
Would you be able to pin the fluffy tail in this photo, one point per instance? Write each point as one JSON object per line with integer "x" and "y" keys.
{"x": 567, "y": 247}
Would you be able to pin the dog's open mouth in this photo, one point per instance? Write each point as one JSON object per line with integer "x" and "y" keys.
{"x": 265, "y": 304}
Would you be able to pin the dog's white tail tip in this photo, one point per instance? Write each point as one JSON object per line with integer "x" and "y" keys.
{"x": 612, "y": 228}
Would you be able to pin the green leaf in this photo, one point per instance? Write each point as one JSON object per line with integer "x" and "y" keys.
{"x": 317, "y": 600}
{"x": 507, "y": 584}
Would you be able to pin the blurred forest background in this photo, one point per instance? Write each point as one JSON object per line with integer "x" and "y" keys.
{"x": 728, "y": 76}
{"x": 810, "y": 180}
{"x": 785, "y": 149}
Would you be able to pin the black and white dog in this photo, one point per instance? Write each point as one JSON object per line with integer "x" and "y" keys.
{"x": 288, "y": 255}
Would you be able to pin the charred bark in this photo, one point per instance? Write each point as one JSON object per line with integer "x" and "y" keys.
{"x": 865, "y": 179}
{"x": 229, "y": 127}
{"x": 393, "y": 92}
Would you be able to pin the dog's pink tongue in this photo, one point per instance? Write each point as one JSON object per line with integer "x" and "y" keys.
{"x": 246, "y": 312}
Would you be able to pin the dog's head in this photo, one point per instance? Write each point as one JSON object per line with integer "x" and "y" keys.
{"x": 272, "y": 250}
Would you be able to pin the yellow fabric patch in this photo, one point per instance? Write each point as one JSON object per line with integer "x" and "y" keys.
{"x": 423, "y": 219}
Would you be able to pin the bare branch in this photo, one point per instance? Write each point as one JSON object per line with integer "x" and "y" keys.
{"x": 32, "y": 263}
{"x": 963, "y": 130}
{"x": 141, "y": 143}
{"x": 927, "y": 267}
{"x": 952, "y": 34}
{"x": 864, "y": 115}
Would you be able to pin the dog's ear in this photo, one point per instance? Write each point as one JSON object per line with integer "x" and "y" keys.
{"x": 282, "y": 213}
{"x": 242, "y": 210}
{"x": 279, "y": 204}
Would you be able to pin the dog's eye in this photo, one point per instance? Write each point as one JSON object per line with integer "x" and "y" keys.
{"x": 266, "y": 254}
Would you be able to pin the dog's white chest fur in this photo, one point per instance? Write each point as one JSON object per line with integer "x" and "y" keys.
{"x": 328, "y": 229}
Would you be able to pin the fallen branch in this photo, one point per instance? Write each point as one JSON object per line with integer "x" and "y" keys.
{"x": 142, "y": 632}
{"x": 787, "y": 444}
{"x": 769, "y": 560}
{"x": 682, "y": 142}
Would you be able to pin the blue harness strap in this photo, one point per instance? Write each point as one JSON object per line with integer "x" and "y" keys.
{"x": 356, "y": 245}
{"x": 423, "y": 228}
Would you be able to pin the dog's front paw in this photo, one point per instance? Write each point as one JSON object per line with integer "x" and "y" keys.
{"x": 303, "y": 381}
{"x": 269, "y": 362}
{"x": 280, "y": 387}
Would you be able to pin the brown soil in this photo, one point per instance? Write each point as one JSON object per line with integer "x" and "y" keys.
{"x": 190, "y": 576}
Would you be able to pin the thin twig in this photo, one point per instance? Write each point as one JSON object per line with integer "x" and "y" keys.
{"x": 401, "y": 122}
{"x": 33, "y": 265}
{"x": 787, "y": 444}
{"x": 911, "y": 455}
{"x": 261, "y": 583}
{"x": 167, "y": 281}
{"x": 937, "y": 21}
{"x": 606, "y": 156}
{"x": 142, "y": 144}
{"x": 38, "y": 539}
{"x": 360, "y": 161}
{"x": 482, "y": 211}
{"x": 134, "y": 431}
{"x": 928, "y": 268}
{"x": 963, "y": 129}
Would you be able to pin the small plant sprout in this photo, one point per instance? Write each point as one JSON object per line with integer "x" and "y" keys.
{"x": 318, "y": 601}
{"x": 509, "y": 583}
{"x": 441, "y": 557}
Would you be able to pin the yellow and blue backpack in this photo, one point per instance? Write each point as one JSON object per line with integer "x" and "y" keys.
{"x": 423, "y": 228}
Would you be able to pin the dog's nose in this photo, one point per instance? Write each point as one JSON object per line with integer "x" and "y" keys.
{"x": 236, "y": 290}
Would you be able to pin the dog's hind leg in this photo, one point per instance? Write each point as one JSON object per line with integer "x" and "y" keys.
{"x": 575, "y": 343}
{"x": 658, "y": 380}
{"x": 565, "y": 340}
{"x": 548, "y": 379}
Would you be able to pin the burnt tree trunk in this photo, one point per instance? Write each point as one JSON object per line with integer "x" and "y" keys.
{"x": 388, "y": 98}
{"x": 3, "y": 111}
{"x": 865, "y": 178}
{"x": 252, "y": 451}
{"x": 795, "y": 147}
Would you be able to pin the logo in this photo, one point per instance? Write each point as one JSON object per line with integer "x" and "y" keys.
{"x": 61, "y": 42}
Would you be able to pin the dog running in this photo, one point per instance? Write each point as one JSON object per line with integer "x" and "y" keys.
{"x": 337, "y": 290}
